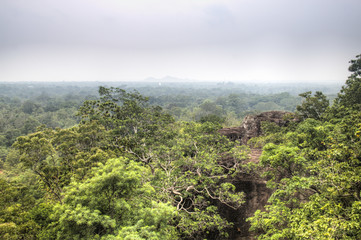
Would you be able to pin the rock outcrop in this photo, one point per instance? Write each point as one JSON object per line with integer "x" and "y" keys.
{"x": 233, "y": 134}
{"x": 251, "y": 184}
{"x": 251, "y": 126}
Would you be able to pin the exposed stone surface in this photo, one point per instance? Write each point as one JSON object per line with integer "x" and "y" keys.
{"x": 255, "y": 154}
{"x": 252, "y": 185}
{"x": 234, "y": 133}
{"x": 251, "y": 126}
{"x": 252, "y": 123}
{"x": 257, "y": 195}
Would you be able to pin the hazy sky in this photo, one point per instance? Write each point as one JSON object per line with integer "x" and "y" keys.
{"x": 234, "y": 40}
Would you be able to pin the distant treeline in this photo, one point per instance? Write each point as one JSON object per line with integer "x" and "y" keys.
{"x": 25, "y": 106}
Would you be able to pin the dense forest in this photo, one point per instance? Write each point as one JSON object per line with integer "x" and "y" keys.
{"x": 146, "y": 161}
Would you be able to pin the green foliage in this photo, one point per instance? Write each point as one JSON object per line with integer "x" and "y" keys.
{"x": 37, "y": 153}
{"x": 284, "y": 161}
{"x": 122, "y": 208}
{"x": 312, "y": 106}
{"x": 126, "y": 115}
{"x": 56, "y": 156}
{"x": 350, "y": 94}
{"x": 316, "y": 175}
{"x": 273, "y": 133}
{"x": 16, "y": 221}
{"x": 164, "y": 179}
{"x": 212, "y": 118}
{"x": 129, "y": 171}
{"x": 17, "y": 119}
{"x": 315, "y": 172}
{"x": 191, "y": 169}
{"x": 207, "y": 109}
{"x": 154, "y": 223}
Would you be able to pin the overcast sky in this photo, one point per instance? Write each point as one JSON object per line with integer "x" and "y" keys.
{"x": 217, "y": 40}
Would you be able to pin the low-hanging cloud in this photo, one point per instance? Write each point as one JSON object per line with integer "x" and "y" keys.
{"x": 208, "y": 40}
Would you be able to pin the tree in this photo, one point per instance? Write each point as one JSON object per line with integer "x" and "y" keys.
{"x": 212, "y": 118}
{"x": 30, "y": 107}
{"x": 355, "y": 66}
{"x": 350, "y": 94}
{"x": 127, "y": 116}
{"x": 122, "y": 208}
{"x": 315, "y": 172}
{"x": 164, "y": 179}
{"x": 312, "y": 106}
{"x": 38, "y": 154}
{"x": 16, "y": 221}
{"x": 208, "y": 109}
{"x": 193, "y": 170}
{"x": 316, "y": 176}
{"x": 192, "y": 165}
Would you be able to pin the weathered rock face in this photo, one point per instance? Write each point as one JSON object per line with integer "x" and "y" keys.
{"x": 257, "y": 195}
{"x": 234, "y": 133}
{"x": 252, "y": 123}
{"x": 251, "y": 126}
{"x": 252, "y": 185}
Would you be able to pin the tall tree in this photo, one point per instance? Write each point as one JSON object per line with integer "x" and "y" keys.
{"x": 312, "y": 106}
{"x": 115, "y": 203}
{"x": 350, "y": 94}
{"x": 315, "y": 172}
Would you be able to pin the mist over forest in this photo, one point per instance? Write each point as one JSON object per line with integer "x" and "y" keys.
{"x": 180, "y": 160}
{"x": 182, "y": 119}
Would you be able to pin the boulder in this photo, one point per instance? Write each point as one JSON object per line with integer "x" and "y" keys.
{"x": 233, "y": 133}
{"x": 251, "y": 126}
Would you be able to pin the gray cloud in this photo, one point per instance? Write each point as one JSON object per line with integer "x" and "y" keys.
{"x": 236, "y": 39}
